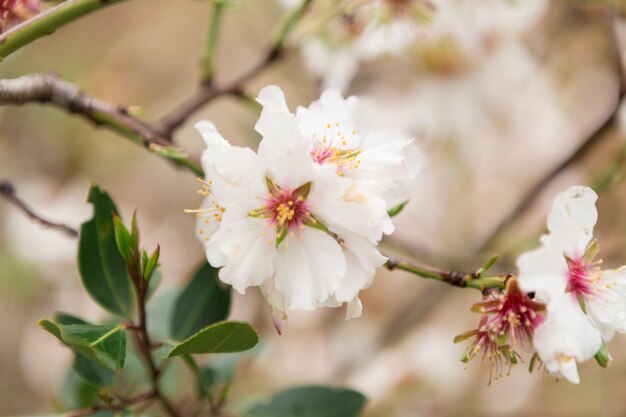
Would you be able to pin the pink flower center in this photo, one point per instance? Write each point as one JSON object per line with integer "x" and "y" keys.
{"x": 287, "y": 212}
{"x": 513, "y": 316}
{"x": 332, "y": 148}
{"x": 578, "y": 278}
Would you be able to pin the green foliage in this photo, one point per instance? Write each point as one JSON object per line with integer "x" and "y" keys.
{"x": 102, "y": 268}
{"x": 222, "y": 337}
{"x": 394, "y": 211}
{"x": 105, "y": 345}
{"x": 309, "y": 401}
{"x": 91, "y": 372}
{"x": 603, "y": 357}
{"x": 76, "y": 393}
{"x": 201, "y": 303}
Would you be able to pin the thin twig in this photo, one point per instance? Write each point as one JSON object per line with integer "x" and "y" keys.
{"x": 209, "y": 91}
{"x": 454, "y": 278}
{"x": 122, "y": 404}
{"x": 50, "y": 89}
{"x": 47, "y": 22}
{"x": 7, "y": 190}
{"x": 144, "y": 343}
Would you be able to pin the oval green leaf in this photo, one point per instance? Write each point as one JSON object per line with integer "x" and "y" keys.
{"x": 310, "y": 401}
{"x": 201, "y": 303}
{"x": 102, "y": 268}
{"x": 105, "y": 345}
{"x": 223, "y": 337}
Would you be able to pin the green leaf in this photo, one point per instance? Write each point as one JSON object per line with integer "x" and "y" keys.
{"x": 134, "y": 234}
{"x": 201, "y": 303}
{"x": 310, "y": 401}
{"x": 65, "y": 318}
{"x": 590, "y": 252}
{"x": 76, "y": 393}
{"x": 222, "y": 337}
{"x": 105, "y": 345}
{"x": 394, "y": 211}
{"x": 603, "y": 357}
{"x": 92, "y": 373}
{"x": 486, "y": 266}
{"x": 122, "y": 239}
{"x": 102, "y": 268}
{"x": 151, "y": 263}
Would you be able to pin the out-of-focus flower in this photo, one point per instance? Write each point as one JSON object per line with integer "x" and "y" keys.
{"x": 585, "y": 304}
{"x": 342, "y": 34}
{"x": 439, "y": 36}
{"x": 508, "y": 324}
{"x": 299, "y": 219}
{"x": 13, "y": 12}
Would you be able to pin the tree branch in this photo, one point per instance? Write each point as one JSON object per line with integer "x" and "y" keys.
{"x": 47, "y": 22}
{"x": 50, "y": 89}
{"x": 113, "y": 407}
{"x": 7, "y": 190}
{"x": 209, "y": 91}
{"x": 455, "y": 278}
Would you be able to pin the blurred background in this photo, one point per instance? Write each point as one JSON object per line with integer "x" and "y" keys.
{"x": 497, "y": 92}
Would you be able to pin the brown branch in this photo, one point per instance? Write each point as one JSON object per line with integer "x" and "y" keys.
{"x": 142, "y": 338}
{"x": 208, "y": 91}
{"x": 533, "y": 193}
{"x": 122, "y": 404}
{"x": 7, "y": 190}
{"x": 50, "y": 89}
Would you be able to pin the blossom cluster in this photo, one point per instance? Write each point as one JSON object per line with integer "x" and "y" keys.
{"x": 562, "y": 306}
{"x": 302, "y": 217}
{"x": 443, "y": 36}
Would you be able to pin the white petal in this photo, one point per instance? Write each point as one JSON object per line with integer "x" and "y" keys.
{"x": 342, "y": 207}
{"x": 308, "y": 270}
{"x": 272, "y": 98}
{"x": 572, "y": 218}
{"x": 544, "y": 271}
{"x": 387, "y": 161}
{"x": 331, "y": 109}
{"x": 362, "y": 260}
{"x": 607, "y": 306}
{"x": 566, "y": 337}
{"x": 207, "y": 223}
{"x": 236, "y": 173}
{"x": 276, "y": 304}
{"x": 242, "y": 249}
{"x": 354, "y": 309}
{"x": 285, "y": 154}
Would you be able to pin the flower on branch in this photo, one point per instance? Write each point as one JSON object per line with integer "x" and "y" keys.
{"x": 302, "y": 218}
{"x": 13, "y": 12}
{"x": 508, "y": 323}
{"x": 585, "y": 305}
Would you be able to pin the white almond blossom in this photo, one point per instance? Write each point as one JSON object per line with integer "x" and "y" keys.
{"x": 300, "y": 225}
{"x": 585, "y": 305}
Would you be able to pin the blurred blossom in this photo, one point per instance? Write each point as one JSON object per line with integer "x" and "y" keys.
{"x": 438, "y": 36}
{"x": 586, "y": 305}
{"x": 302, "y": 218}
{"x": 13, "y": 12}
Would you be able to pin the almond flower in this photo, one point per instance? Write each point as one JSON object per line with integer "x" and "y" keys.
{"x": 13, "y": 12}
{"x": 301, "y": 229}
{"x": 508, "y": 323}
{"x": 585, "y": 305}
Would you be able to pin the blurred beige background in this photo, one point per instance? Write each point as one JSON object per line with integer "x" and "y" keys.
{"x": 489, "y": 136}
